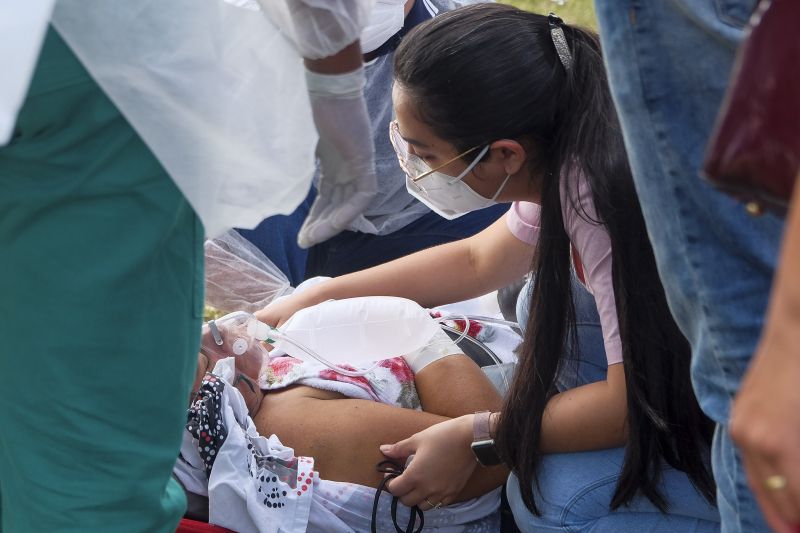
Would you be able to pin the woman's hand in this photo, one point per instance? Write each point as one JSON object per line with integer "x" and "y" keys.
{"x": 276, "y": 313}
{"x": 764, "y": 418}
{"x": 765, "y": 425}
{"x": 443, "y": 463}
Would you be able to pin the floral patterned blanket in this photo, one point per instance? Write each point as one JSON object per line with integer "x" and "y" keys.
{"x": 391, "y": 382}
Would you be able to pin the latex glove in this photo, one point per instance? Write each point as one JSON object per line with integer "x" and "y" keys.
{"x": 428, "y": 476}
{"x": 346, "y": 152}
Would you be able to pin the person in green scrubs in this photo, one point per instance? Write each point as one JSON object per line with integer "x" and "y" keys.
{"x": 101, "y": 299}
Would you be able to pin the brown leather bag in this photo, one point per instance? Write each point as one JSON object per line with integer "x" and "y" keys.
{"x": 754, "y": 152}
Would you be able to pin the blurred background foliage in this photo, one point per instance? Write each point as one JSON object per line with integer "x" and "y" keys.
{"x": 580, "y": 12}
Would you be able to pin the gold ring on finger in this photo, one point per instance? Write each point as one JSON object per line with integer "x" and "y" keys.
{"x": 775, "y": 482}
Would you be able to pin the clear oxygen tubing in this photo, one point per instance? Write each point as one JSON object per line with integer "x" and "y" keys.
{"x": 476, "y": 318}
{"x": 477, "y": 343}
{"x": 483, "y": 346}
{"x": 479, "y": 318}
{"x": 240, "y": 341}
{"x": 276, "y": 334}
{"x": 442, "y": 322}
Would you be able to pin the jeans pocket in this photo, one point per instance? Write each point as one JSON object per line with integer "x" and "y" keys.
{"x": 735, "y": 13}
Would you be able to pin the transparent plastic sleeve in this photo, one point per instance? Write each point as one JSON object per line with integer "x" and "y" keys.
{"x": 239, "y": 277}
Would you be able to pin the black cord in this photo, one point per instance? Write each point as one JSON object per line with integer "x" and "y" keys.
{"x": 392, "y": 470}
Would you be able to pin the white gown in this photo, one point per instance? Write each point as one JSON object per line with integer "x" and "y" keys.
{"x": 216, "y": 91}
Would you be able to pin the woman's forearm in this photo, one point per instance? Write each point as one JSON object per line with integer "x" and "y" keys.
{"x": 418, "y": 277}
{"x": 589, "y": 417}
{"x": 346, "y": 60}
{"x": 443, "y": 274}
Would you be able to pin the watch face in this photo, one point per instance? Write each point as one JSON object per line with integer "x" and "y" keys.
{"x": 486, "y": 453}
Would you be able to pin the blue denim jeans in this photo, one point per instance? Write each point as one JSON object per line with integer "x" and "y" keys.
{"x": 668, "y": 64}
{"x": 276, "y": 237}
{"x": 350, "y": 251}
{"x": 575, "y": 489}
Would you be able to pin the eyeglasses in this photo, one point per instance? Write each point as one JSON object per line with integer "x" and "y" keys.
{"x": 414, "y": 166}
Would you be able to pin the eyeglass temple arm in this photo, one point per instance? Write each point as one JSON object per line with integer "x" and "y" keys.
{"x": 431, "y": 171}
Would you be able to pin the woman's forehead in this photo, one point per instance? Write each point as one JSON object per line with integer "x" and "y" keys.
{"x": 412, "y": 129}
{"x": 404, "y": 108}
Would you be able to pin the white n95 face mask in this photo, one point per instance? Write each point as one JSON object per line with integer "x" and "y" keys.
{"x": 447, "y": 196}
{"x": 450, "y": 197}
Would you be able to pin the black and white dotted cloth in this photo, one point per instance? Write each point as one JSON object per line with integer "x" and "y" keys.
{"x": 205, "y": 422}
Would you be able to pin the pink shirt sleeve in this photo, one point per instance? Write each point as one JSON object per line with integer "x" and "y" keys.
{"x": 523, "y": 221}
{"x": 593, "y": 245}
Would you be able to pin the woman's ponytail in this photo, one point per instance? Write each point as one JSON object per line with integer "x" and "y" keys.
{"x": 491, "y": 71}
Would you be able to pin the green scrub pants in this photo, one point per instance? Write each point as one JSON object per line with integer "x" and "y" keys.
{"x": 101, "y": 292}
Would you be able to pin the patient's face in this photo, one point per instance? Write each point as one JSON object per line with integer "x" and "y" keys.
{"x": 250, "y": 364}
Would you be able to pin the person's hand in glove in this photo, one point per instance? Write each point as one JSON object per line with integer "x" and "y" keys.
{"x": 346, "y": 152}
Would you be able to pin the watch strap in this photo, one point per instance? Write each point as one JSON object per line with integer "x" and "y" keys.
{"x": 480, "y": 426}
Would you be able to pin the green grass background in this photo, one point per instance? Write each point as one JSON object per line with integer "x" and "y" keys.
{"x": 580, "y": 12}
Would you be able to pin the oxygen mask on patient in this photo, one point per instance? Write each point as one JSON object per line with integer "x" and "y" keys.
{"x": 228, "y": 336}
{"x": 353, "y": 331}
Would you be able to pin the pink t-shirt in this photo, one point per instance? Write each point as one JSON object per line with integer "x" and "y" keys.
{"x": 592, "y": 244}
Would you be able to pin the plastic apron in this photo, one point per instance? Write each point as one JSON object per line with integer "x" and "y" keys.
{"x": 23, "y": 31}
{"x": 216, "y": 91}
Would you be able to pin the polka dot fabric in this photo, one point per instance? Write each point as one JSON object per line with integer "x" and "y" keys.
{"x": 205, "y": 422}
{"x": 258, "y": 484}
{"x": 253, "y": 483}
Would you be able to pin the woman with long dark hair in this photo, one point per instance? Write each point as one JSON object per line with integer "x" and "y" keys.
{"x": 497, "y": 104}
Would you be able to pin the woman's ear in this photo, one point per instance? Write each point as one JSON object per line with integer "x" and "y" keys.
{"x": 511, "y": 155}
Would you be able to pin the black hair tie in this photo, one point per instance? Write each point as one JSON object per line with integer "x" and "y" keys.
{"x": 393, "y": 470}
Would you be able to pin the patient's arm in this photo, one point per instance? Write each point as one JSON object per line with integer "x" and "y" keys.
{"x": 343, "y": 435}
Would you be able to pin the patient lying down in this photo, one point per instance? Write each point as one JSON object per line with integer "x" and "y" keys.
{"x": 339, "y": 422}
